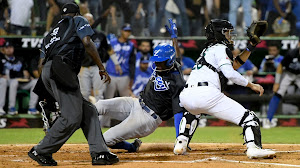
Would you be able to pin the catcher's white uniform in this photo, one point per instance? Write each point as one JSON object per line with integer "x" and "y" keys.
{"x": 209, "y": 99}
{"x": 202, "y": 94}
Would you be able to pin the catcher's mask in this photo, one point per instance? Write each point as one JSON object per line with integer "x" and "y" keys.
{"x": 163, "y": 57}
{"x": 220, "y": 31}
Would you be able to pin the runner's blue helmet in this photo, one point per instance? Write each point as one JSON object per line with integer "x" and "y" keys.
{"x": 164, "y": 52}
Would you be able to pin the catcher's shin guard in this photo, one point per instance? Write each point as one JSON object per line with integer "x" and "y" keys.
{"x": 188, "y": 125}
{"x": 50, "y": 112}
{"x": 187, "y": 128}
{"x": 251, "y": 129}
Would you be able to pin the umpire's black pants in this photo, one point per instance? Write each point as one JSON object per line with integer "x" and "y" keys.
{"x": 75, "y": 113}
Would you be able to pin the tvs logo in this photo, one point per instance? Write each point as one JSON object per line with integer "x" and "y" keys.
{"x": 3, "y": 122}
{"x": 22, "y": 123}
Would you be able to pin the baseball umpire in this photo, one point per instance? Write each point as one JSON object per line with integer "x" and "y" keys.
{"x": 63, "y": 49}
{"x": 288, "y": 71}
{"x": 158, "y": 102}
{"x": 203, "y": 93}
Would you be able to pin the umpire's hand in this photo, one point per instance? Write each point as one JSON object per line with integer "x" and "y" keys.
{"x": 106, "y": 76}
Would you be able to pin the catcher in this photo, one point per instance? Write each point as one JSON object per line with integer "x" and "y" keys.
{"x": 203, "y": 90}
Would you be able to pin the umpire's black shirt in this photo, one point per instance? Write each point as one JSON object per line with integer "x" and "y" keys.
{"x": 162, "y": 91}
{"x": 65, "y": 39}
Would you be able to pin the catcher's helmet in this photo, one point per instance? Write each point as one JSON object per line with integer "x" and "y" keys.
{"x": 216, "y": 29}
{"x": 164, "y": 52}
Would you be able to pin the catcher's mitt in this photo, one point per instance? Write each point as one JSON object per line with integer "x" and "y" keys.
{"x": 255, "y": 30}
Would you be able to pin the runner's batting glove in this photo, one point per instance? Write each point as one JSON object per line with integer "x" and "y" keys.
{"x": 173, "y": 29}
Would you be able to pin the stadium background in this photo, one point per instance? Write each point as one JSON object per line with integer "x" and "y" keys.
{"x": 28, "y": 47}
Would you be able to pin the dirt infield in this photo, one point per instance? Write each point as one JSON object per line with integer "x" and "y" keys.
{"x": 159, "y": 156}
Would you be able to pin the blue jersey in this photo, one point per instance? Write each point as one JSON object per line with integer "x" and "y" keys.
{"x": 140, "y": 80}
{"x": 248, "y": 65}
{"x": 277, "y": 61}
{"x": 187, "y": 62}
{"x": 296, "y": 9}
{"x": 12, "y": 66}
{"x": 282, "y": 5}
{"x": 126, "y": 57}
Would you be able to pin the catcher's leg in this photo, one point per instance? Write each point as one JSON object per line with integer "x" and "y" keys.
{"x": 187, "y": 128}
{"x": 252, "y": 137}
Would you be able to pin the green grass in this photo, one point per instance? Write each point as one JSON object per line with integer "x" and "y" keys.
{"x": 279, "y": 135}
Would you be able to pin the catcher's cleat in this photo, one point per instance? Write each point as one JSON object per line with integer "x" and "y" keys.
{"x": 105, "y": 158}
{"x": 42, "y": 159}
{"x": 136, "y": 143}
{"x": 180, "y": 147}
{"x": 258, "y": 153}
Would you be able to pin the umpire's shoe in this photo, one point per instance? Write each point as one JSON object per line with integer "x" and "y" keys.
{"x": 105, "y": 158}
{"x": 42, "y": 159}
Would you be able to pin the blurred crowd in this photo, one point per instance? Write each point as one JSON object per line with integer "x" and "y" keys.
{"x": 148, "y": 17}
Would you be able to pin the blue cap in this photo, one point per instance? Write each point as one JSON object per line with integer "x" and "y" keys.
{"x": 145, "y": 59}
{"x": 126, "y": 27}
{"x": 163, "y": 52}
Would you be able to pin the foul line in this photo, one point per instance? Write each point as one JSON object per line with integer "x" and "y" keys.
{"x": 192, "y": 161}
{"x": 262, "y": 163}
{"x": 211, "y": 159}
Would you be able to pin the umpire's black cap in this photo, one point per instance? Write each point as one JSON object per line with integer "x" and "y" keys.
{"x": 70, "y": 8}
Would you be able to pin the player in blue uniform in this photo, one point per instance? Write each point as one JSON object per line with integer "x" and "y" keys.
{"x": 158, "y": 102}
{"x": 121, "y": 76}
{"x": 142, "y": 74}
{"x": 288, "y": 72}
